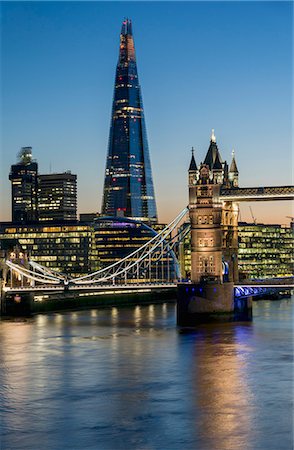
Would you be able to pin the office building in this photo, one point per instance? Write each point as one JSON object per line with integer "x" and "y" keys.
{"x": 264, "y": 251}
{"x": 128, "y": 186}
{"x": 81, "y": 248}
{"x": 24, "y": 187}
{"x": 114, "y": 238}
{"x": 57, "y": 197}
{"x": 61, "y": 247}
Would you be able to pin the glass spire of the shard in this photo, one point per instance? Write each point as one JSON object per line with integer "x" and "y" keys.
{"x": 128, "y": 186}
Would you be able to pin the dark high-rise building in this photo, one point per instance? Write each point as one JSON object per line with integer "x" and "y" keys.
{"x": 58, "y": 197}
{"x": 24, "y": 187}
{"x": 128, "y": 186}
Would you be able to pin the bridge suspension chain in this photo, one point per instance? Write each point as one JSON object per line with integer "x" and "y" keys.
{"x": 129, "y": 265}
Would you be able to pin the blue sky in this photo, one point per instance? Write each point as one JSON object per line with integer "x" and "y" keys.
{"x": 202, "y": 65}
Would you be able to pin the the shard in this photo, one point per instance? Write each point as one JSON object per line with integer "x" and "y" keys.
{"x": 128, "y": 186}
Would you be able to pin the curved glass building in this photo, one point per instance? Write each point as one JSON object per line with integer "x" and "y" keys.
{"x": 128, "y": 186}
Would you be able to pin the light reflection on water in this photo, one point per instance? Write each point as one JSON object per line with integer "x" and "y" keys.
{"x": 127, "y": 378}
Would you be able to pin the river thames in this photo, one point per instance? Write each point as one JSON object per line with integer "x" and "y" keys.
{"x": 128, "y": 378}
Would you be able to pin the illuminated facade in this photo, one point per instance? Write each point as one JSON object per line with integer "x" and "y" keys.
{"x": 264, "y": 251}
{"x": 60, "y": 247}
{"x": 128, "y": 186}
{"x": 79, "y": 248}
{"x": 214, "y": 224}
{"x": 57, "y": 197}
{"x": 24, "y": 187}
{"x": 115, "y": 238}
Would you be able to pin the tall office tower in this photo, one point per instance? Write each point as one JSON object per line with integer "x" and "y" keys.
{"x": 128, "y": 186}
{"x": 24, "y": 187}
{"x": 58, "y": 197}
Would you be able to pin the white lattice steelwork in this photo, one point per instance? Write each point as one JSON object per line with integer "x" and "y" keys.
{"x": 254, "y": 194}
{"x": 153, "y": 261}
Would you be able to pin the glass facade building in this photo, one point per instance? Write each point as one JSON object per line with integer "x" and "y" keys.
{"x": 24, "y": 187}
{"x": 60, "y": 247}
{"x": 80, "y": 248}
{"x": 264, "y": 251}
{"x": 128, "y": 186}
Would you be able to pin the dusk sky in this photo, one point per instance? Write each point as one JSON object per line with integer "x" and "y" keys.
{"x": 201, "y": 65}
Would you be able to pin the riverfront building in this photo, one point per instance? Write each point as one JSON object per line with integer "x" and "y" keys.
{"x": 264, "y": 251}
{"x": 79, "y": 248}
{"x": 61, "y": 247}
{"x": 128, "y": 186}
{"x": 24, "y": 187}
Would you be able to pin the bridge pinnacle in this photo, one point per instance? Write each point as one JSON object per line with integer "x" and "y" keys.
{"x": 213, "y": 139}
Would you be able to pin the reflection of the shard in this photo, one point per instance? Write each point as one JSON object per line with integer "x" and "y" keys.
{"x": 222, "y": 394}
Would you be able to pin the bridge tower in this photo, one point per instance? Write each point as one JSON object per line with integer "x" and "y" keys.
{"x": 214, "y": 240}
{"x": 214, "y": 223}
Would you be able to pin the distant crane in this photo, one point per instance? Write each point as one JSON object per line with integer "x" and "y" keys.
{"x": 292, "y": 220}
{"x": 253, "y": 218}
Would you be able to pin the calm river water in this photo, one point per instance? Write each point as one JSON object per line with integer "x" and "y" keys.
{"x": 123, "y": 379}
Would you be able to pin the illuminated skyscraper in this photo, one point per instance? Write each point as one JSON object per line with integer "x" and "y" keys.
{"x": 24, "y": 187}
{"x": 128, "y": 186}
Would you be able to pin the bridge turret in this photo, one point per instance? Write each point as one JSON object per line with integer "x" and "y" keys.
{"x": 234, "y": 173}
{"x": 193, "y": 171}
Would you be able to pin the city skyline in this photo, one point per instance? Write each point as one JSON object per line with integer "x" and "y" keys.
{"x": 251, "y": 76}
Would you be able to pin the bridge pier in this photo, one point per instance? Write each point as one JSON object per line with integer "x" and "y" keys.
{"x": 203, "y": 303}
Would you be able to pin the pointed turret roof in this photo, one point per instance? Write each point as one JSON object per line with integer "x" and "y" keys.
{"x": 217, "y": 164}
{"x": 212, "y": 152}
{"x": 233, "y": 166}
{"x": 193, "y": 165}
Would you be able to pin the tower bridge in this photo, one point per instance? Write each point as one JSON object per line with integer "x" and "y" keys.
{"x": 214, "y": 288}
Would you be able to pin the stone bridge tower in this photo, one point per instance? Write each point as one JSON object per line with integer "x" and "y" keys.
{"x": 214, "y": 240}
{"x": 214, "y": 224}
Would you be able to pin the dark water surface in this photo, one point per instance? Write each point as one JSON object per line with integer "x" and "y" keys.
{"x": 127, "y": 378}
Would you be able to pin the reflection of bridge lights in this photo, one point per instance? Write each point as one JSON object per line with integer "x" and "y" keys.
{"x": 151, "y": 313}
{"x": 138, "y": 315}
{"x": 93, "y": 313}
{"x": 114, "y": 315}
{"x": 58, "y": 318}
